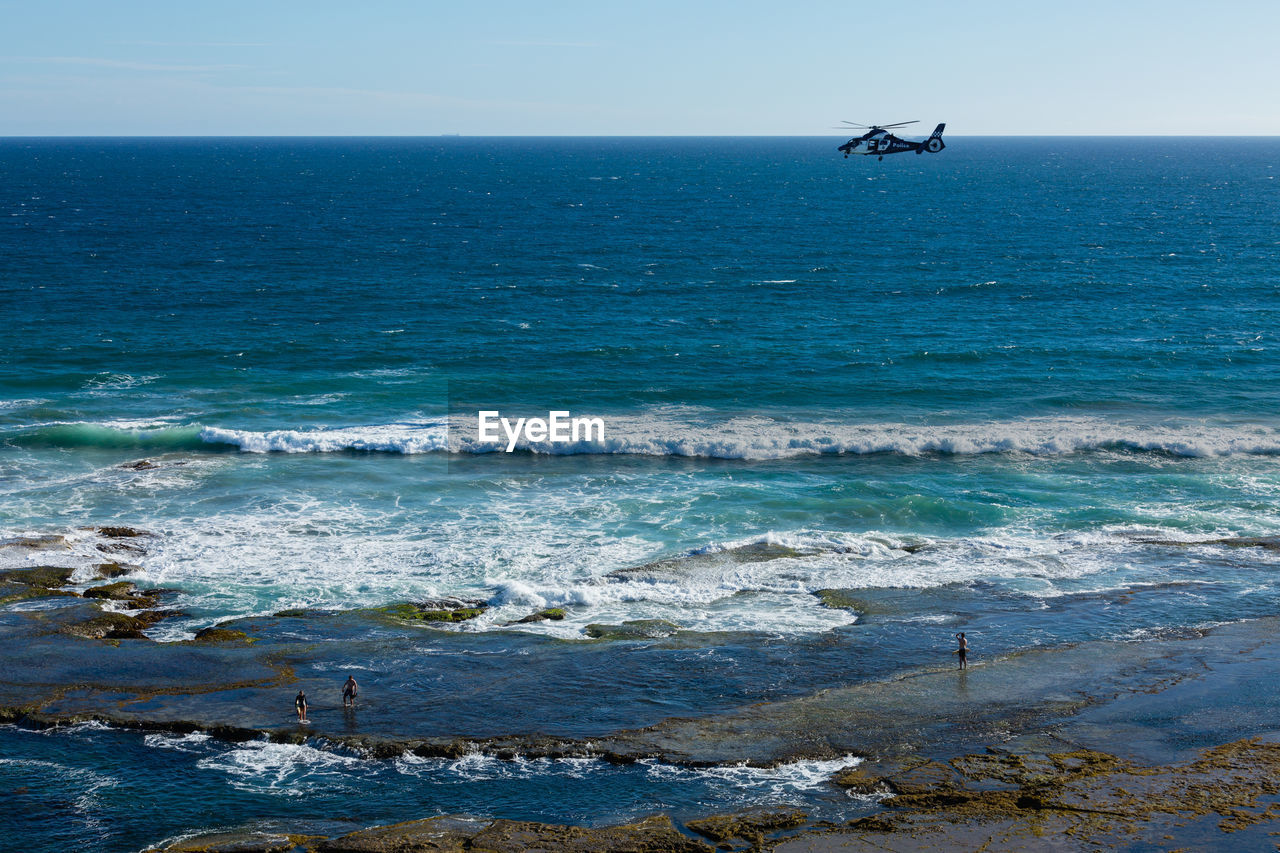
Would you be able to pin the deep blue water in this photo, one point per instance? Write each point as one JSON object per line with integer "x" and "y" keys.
{"x": 1025, "y": 355}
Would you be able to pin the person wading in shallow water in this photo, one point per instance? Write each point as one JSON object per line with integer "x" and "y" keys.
{"x": 963, "y": 651}
{"x": 300, "y": 702}
{"x": 349, "y": 691}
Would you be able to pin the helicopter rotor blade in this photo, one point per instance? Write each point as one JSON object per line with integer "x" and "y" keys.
{"x": 902, "y": 123}
{"x": 855, "y": 124}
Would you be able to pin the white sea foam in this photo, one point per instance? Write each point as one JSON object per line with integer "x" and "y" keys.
{"x": 763, "y": 782}
{"x": 762, "y": 438}
{"x": 523, "y": 543}
{"x": 116, "y": 382}
{"x": 747, "y": 783}
{"x": 409, "y": 438}
{"x": 283, "y": 769}
{"x": 688, "y": 433}
{"x": 21, "y": 404}
{"x": 192, "y": 742}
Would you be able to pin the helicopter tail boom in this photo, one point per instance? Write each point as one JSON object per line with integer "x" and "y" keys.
{"x": 934, "y": 143}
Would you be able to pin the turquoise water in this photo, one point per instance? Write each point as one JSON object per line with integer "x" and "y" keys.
{"x": 988, "y": 376}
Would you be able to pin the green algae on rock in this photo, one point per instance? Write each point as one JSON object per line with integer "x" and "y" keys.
{"x": 439, "y": 610}
{"x": 12, "y": 589}
{"x": 44, "y": 577}
{"x": 216, "y": 634}
{"x": 554, "y": 614}
{"x": 110, "y": 626}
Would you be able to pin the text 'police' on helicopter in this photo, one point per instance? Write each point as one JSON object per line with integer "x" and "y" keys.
{"x": 879, "y": 141}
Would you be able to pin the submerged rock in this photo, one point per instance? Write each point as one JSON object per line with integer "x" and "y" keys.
{"x": 678, "y": 567}
{"x": 1271, "y": 543}
{"x": 638, "y": 629}
{"x": 841, "y": 599}
{"x": 233, "y": 842}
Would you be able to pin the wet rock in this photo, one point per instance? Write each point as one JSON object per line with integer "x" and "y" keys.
{"x": 638, "y": 629}
{"x": 679, "y": 567}
{"x": 118, "y": 591}
{"x": 554, "y": 614}
{"x": 216, "y": 634}
{"x": 652, "y": 835}
{"x": 45, "y": 577}
{"x": 120, "y": 532}
{"x": 124, "y": 591}
{"x": 1271, "y": 543}
{"x": 841, "y": 599}
{"x": 859, "y": 781}
{"x": 233, "y": 842}
{"x": 449, "y": 749}
{"x": 749, "y": 826}
{"x": 462, "y": 614}
{"x": 122, "y": 548}
{"x": 47, "y": 542}
{"x": 109, "y": 626}
{"x": 40, "y": 582}
{"x": 436, "y": 610}
{"x": 447, "y": 833}
{"x": 116, "y": 626}
{"x": 115, "y": 570}
{"x": 140, "y": 465}
{"x": 906, "y": 775}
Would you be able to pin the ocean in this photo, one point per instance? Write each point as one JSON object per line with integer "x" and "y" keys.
{"x": 993, "y": 390}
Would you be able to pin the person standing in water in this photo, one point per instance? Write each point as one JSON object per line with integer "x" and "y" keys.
{"x": 300, "y": 703}
{"x": 963, "y": 651}
{"x": 349, "y": 691}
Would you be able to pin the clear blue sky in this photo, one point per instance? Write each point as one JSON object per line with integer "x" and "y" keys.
{"x": 89, "y": 67}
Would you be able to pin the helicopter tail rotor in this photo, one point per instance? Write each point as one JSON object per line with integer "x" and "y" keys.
{"x": 934, "y": 143}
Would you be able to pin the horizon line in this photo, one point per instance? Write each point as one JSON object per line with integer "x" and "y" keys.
{"x": 612, "y": 135}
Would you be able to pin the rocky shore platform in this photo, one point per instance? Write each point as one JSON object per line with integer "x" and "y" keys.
{"x": 1160, "y": 742}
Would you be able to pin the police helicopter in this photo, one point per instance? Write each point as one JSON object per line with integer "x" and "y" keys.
{"x": 879, "y": 141}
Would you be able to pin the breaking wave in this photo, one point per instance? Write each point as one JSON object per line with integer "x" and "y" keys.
{"x": 752, "y": 438}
